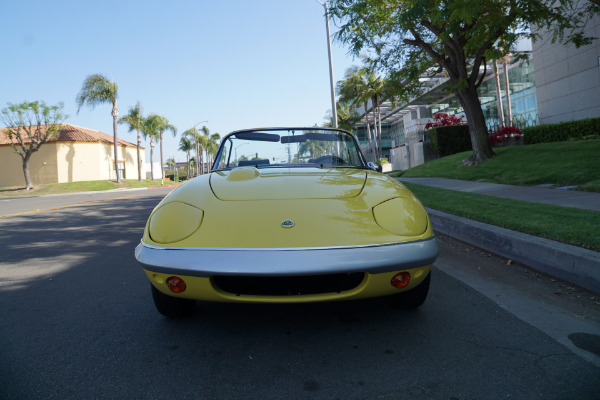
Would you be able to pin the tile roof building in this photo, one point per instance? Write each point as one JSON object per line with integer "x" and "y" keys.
{"x": 76, "y": 154}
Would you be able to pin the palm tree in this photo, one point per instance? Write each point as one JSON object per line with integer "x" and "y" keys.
{"x": 213, "y": 146}
{"x": 206, "y": 141}
{"x": 151, "y": 124}
{"x": 313, "y": 147}
{"x": 354, "y": 89}
{"x": 199, "y": 142}
{"x": 97, "y": 89}
{"x": 375, "y": 90}
{"x": 162, "y": 125}
{"x": 347, "y": 119}
{"x": 186, "y": 146}
{"x": 135, "y": 121}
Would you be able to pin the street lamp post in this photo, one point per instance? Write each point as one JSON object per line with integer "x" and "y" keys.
{"x": 333, "y": 107}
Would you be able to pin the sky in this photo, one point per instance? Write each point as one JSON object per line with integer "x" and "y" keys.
{"x": 236, "y": 64}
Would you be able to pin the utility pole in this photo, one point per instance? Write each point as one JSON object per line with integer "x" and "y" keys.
{"x": 333, "y": 107}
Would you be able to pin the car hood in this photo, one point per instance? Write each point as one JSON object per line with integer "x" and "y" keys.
{"x": 250, "y": 183}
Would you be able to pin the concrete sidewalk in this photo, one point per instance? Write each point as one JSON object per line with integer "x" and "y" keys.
{"x": 570, "y": 263}
{"x": 558, "y": 197}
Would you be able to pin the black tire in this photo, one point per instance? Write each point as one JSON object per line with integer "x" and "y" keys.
{"x": 172, "y": 307}
{"x": 414, "y": 298}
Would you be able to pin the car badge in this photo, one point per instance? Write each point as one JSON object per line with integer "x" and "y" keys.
{"x": 288, "y": 223}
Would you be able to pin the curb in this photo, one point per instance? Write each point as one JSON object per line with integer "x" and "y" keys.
{"x": 163, "y": 186}
{"x": 570, "y": 263}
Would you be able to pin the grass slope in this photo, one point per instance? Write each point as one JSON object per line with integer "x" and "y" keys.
{"x": 564, "y": 224}
{"x": 575, "y": 163}
{"x": 85, "y": 186}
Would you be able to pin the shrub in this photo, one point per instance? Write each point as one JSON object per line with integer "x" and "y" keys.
{"x": 445, "y": 120}
{"x": 452, "y": 139}
{"x": 501, "y": 134}
{"x": 562, "y": 131}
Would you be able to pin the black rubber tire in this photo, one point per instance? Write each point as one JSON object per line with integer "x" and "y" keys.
{"x": 414, "y": 298}
{"x": 172, "y": 307}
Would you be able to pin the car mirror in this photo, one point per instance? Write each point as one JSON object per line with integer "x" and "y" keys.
{"x": 375, "y": 167}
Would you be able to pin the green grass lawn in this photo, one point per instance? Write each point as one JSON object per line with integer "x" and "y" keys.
{"x": 575, "y": 163}
{"x": 564, "y": 224}
{"x": 86, "y": 186}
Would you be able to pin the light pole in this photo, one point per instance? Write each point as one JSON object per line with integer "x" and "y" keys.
{"x": 333, "y": 107}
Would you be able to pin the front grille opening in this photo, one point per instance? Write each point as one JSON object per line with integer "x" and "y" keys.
{"x": 288, "y": 285}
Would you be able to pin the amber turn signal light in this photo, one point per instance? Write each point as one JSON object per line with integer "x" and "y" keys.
{"x": 176, "y": 284}
{"x": 400, "y": 280}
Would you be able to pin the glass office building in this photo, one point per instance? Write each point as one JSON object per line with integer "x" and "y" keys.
{"x": 408, "y": 120}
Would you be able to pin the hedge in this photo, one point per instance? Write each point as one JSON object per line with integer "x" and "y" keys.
{"x": 562, "y": 131}
{"x": 447, "y": 140}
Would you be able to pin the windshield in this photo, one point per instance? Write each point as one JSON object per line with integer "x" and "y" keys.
{"x": 269, "y": 148}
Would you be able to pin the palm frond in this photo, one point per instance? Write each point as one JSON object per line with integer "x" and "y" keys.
{"x": 95, "y": 90}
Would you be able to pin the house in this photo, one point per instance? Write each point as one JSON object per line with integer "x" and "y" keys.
{"x": 76, "y": 154}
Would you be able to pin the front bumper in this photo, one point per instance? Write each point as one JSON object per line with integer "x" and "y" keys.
{"x": 206, "y": 262}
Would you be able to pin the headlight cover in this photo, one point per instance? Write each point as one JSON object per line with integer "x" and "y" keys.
{"x": 401, "y": 216}
{"x": 174, "y": 221}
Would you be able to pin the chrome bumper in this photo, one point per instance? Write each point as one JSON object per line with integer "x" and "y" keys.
{"x": 205, "y": 262}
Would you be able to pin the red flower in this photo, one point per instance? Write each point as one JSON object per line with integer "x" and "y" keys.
{"x": 445, "y": 120}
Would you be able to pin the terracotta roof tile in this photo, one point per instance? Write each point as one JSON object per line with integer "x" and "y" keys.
{"x": 72, "y": 133}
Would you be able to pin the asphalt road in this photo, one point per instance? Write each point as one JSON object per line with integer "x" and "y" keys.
{"x": 77, "y": 322}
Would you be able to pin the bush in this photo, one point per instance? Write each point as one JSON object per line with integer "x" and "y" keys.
{"x": 562, "y": 131}
{"x": 503, "y": 134}
{"x": 448, "y": 140}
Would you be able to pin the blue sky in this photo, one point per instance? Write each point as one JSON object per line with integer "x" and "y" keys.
{"x": 238, "y": 64}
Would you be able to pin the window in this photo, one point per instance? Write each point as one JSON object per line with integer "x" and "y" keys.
{"x": 121, "y": 169}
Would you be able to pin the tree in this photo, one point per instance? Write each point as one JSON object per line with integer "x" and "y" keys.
{"x": 172, "y": 164}
{"x": 135, "y": 121}
{"x": 353, "y": 89}
{"x": 186, "y": 146}
{"x": 199, "y": 142}
{"x": 162, "y": 125}
{"x": 347, "y": 119}
{"x": 313, "y": 147}
{"x": 97, "y": 89}
{"x": 212, "y": 146}
{"x": 408, "y": 37}
{"x": 150, "y": 130}
{"x": 30, "y": 125}
{"x": 375, "y": 88}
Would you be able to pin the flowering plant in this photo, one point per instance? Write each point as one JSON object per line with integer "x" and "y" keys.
{"x": 504, "y": 132}
{"x": 445, "y": 120}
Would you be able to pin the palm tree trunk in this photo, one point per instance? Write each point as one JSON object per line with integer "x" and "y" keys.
{"x": 162, "y": 163}
{"x": 151, "y": 158}
{"x": 498, "y": 93}
{"x": 507, "y": 89}
{"x": 368, "y": 127}
{"x": 188, "y": 165}
{"x": 376, "y": 132}
{"x": 139, "y": 155}
{"x": 115, "y": 114}
{"x": 380, "y": 132}
{"x": 201, "y": 160}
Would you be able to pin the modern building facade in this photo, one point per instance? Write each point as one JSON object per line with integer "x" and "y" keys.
{"x": 76, "y": 154}
{"x": 568, "y": 79}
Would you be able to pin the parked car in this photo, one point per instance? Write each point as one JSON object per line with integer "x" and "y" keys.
{"x": 288, "y": 215}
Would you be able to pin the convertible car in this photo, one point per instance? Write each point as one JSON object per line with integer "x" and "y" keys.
{"x": 288, "y": 215}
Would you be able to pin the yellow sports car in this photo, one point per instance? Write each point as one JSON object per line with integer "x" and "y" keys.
{"x": 288, "y": 215}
